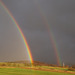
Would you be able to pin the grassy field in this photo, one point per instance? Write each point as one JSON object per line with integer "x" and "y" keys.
{"x": 19, "y": 71}
{"x": 27, "y": 69}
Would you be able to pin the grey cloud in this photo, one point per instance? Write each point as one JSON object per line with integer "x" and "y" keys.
{"x": 60, "y": 15}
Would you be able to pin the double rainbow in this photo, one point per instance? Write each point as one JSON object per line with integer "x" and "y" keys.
{"x": 24, "y": 38}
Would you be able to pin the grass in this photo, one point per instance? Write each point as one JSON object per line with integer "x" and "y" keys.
{"x": 19, "y": 71}
{"x": 26, "y": 69}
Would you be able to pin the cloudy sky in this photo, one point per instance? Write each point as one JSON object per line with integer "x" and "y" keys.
{"x": 37, "y": 19}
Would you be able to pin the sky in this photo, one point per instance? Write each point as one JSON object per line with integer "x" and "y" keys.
{"x": 37, "y": 19}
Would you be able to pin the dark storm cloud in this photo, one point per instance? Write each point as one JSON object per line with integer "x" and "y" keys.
{"x": 60, "y": 15}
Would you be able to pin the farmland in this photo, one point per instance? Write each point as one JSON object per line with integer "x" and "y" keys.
{"x": 25, "y": 69}
{"x": 19, "y": 71}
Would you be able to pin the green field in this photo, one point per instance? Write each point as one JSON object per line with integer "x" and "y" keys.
{"x": 26, "y": 69}
{"x": 19, "y": 71}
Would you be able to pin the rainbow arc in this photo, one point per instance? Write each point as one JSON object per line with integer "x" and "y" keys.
{"x": 19, "y": 30}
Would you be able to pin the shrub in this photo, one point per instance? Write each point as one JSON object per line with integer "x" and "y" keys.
{"x": 71, "y": 69}
{"x": 73, "y": 66}
{"x": 3, "y": 64}
{"x": 14, "y": 64}
{"x": 8, "y": 64}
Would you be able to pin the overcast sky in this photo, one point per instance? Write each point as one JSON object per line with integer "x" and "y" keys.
{"x": 32, "y": 16}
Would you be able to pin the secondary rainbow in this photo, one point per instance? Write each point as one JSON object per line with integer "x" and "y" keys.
{"x": 52, "y": 38}
{"x": 19, "y": 29}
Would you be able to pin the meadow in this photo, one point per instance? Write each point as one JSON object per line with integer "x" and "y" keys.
{"x": 25, "y": 69}
{"x": 19, "y": 71}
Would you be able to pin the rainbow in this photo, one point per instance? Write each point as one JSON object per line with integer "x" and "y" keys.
{"x": 52, "y": 37}
{"x": 19, "y": 30}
